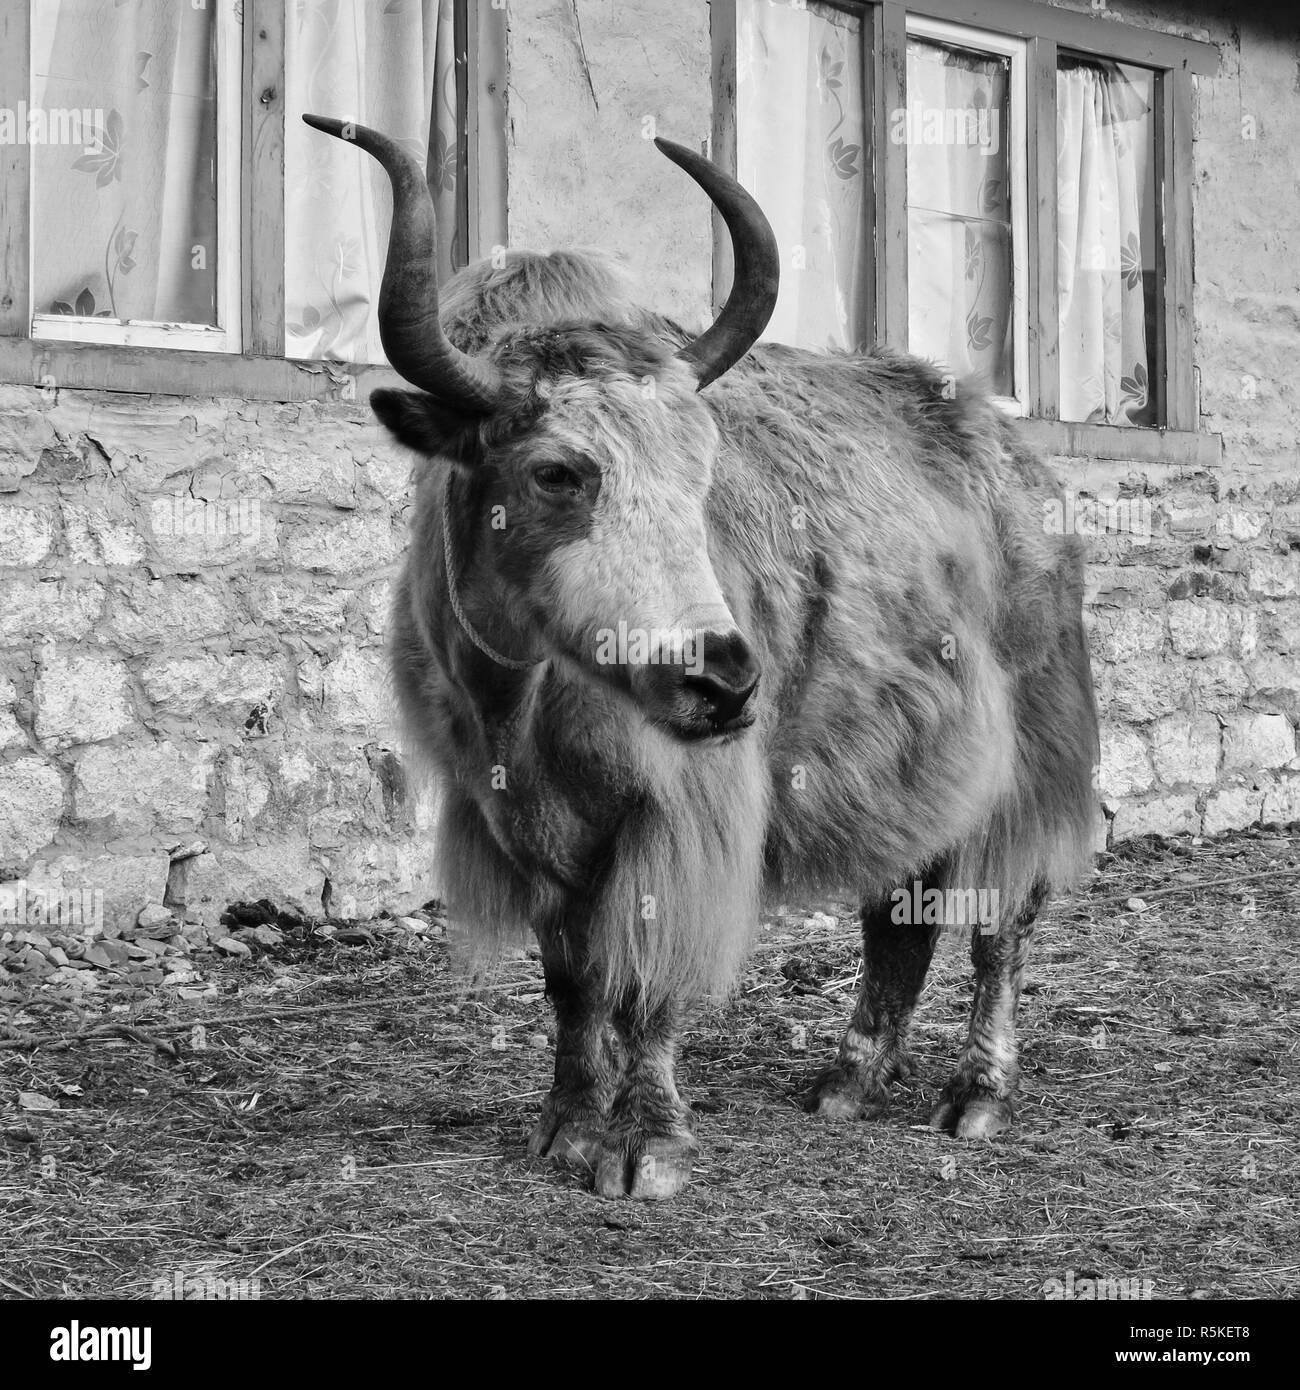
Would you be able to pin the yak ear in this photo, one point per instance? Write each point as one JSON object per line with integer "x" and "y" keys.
{"x": 424, "y": 424}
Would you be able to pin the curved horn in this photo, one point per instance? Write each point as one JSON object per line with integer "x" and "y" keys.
{"x": 757, "y": 275}
{"x": 408, "y": 297}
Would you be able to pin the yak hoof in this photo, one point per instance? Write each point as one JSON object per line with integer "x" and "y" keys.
{"x": 652, "y": 1171}
{"x": 976, "y": 1116}
{"x": 568, "y": 1138}
{"x": 573, "y": 1144}
{"x": 836, "y": 1096}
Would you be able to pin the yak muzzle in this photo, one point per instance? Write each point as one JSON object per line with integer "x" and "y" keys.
{"x": 710, "y": 697}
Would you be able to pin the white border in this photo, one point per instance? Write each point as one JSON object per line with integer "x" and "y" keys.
{"x": 1018, "y": 167}
{"x": 66, "y": 328}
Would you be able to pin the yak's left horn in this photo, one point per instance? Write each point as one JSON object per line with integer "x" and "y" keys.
{"x": 757, "y": 275}
{"x": 408, "y": 296}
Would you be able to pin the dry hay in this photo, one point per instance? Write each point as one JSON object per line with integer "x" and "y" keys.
{"x": 355, "y": 1124}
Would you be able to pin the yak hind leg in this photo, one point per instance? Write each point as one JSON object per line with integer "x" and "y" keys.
{"x": 895, "y": 958}
{"x": 977, "y": 1102}
{"x": 649, "y": 1149}
{"x": 588, "y": 1066}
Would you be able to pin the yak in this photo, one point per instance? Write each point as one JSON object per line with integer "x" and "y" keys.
{"x": 685, "y": 621}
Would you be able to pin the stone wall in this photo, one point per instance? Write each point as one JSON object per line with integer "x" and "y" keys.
{"x": 1196, "y": 635}
{"x": 193, "y": 593}
{"x": 193, "y": 596}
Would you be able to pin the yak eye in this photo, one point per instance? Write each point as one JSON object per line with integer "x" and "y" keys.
{"x": 557, "y": 477}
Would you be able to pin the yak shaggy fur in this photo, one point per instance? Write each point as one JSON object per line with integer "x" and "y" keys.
{"x": 925, "y": 707}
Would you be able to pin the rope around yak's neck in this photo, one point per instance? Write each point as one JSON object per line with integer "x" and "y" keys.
{"x": 454, "y": 595}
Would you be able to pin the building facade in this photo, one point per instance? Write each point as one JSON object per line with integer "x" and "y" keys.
{"x": 198, "y": 531}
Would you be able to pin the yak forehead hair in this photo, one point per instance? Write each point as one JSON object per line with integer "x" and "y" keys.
{"x": 529, "y": 287}
{"x": 614, "y": 387}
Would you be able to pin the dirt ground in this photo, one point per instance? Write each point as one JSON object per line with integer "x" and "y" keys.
{"x": 349, "y": 1122}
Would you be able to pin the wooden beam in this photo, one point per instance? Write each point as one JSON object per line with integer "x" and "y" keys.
{"x": 1079, "y": 32}
{"x": 1123, "y": 443}
{"x": 488, "y": 131}
{"x": 15, "y": 172}
{"x": 869, "y": 310}
{"x": 723, "y": 148}
{"x": 459, "y": 249}
{"x": 1044, "y": 317}
{"x": 173, "y": 372}
{"x": 263, "y": 191}
{"x": 1174, "y": 147}
{"x": 889, "y": 95}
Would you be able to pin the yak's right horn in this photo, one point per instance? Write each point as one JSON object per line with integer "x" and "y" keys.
{"x": 757, "y": 277}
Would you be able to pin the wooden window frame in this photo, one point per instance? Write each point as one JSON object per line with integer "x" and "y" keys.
{"x": 1015, "y": 51}
{"x": 226, "y": 335}
{"x": 1048, "y": 31}
{"x": 259, "y": 370}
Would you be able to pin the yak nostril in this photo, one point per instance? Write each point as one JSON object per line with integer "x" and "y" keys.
{"x": 725, "y": 701}
{"x": 728, "y": 676}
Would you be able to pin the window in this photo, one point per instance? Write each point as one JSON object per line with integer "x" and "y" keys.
{"x": 1009, "y": 197}
{"x": 162, "y": 194}
{"x": 135, "y": 185}
{"x": 966, "y": 196}
{"x": 1107, "y": 284}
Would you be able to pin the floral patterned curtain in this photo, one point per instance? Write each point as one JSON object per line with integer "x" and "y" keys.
{"x": 959, "y": 281}
{"x": 1104, "y": 206}
{"x": 800, "y": 136}
{"x": 128, "y": 218}
{"x": 389, "y": 65}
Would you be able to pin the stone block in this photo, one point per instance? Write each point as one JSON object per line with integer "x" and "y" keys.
{"x": 1282, "y": 800}
{"x": 1219, "y": 684}
{"x": 81, "y": 698}
{"x": 1136, "y": 692}
{"x": 1159, "y": 815}
{"x": 1274, "y": 576}
{"x": 100, "y": 533}
{"x": 369, "y": 876}
{"x": 31, "y": 806}
{"x": 1232, "y": 808}
{"x": 182, "y": 685}
{"x": 356, "y": 692}
{"x": 280, "y": 869}
{"x": 1199, "y": 628}
{"x": 1255, "y": 741}
{"x": 349, "y": 544}
{"x": 1125, "y": 764}
{"x": 144, "y": 612}
{"x": 1185, "y": 748}
{"x": 26, "y": 534}
{"x": 1126, "y": 634}
{"x": 143, "y": 787}
{"x": 120, "y": 884}
{"x": 61, "y": 610}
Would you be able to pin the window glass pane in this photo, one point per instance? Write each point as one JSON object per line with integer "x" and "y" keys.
{"x": 801, "y": 150}
{"x": 960, "y": 287}
{"x": 1106, "y": 253}
{"x": 392, "y": 67}
{"x": 124, "y": 176}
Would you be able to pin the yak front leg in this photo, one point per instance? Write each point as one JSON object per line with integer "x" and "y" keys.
{"x": 649, "y": 1149}
{"x": 976, "y": 1103}
{"x": 587, "y": 1065}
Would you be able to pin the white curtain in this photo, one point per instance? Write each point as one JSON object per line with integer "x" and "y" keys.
{"x": 127, "y": 223}
{"x": 390, "y": 66}
{"x": 800, "y": 136}
{"x": 959, "y": 282}
{"x": 1103, "y": 195}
